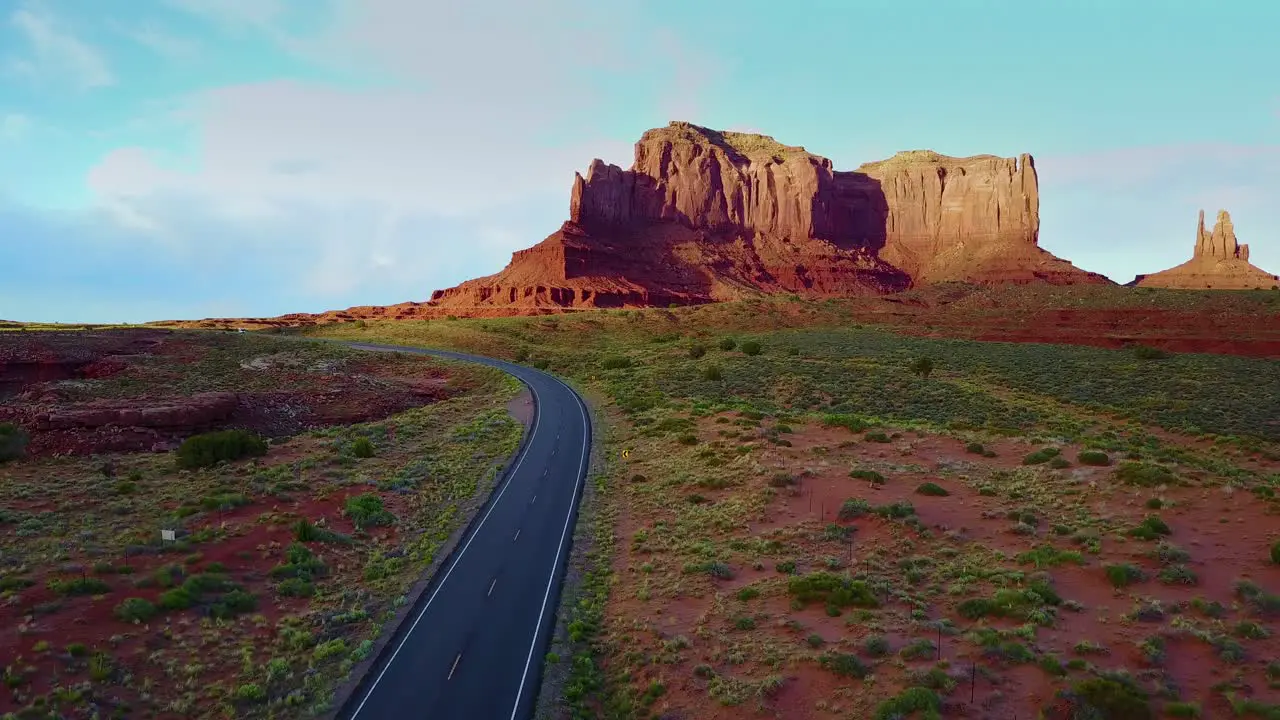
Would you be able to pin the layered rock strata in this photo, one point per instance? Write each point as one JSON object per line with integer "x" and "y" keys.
{"x": 704, "y": 215}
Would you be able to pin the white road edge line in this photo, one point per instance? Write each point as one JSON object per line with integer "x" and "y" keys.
{"x": 517, "y": 537}
{"x": 537, "y": 416}
{"x": 495, "y": 582}
{"x": 455, "y": 666}
{"x": 573, "y": 501}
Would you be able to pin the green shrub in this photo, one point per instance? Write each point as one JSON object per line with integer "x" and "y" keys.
{"x": 13, "y": 442}
{"x": 920, "y": 649}
{"x": 1179, "y": 709}
{"x": 236, "y": 602}
{"x": 932, "y": 489}
{"x": 209, "y": 449}
{"x": 305, "y": 531}
{"x": 718, "y": 570}
{"x": 1049, "y": 556}
{"x": 876, "y": 646}
{"x": 728, "y": 344}
{"x": 136, "y": 609}
{"x": 1109, "y": 700}
{"x": 1144, "y": 474}
{"x": 900, "y": 510}
{"x": 616, "y": 362}
{"x": 912, "y": 700}
{"x": 782, "y": 479}
{"x": 224, "y": 501}
{"x": 1124, "y": 574}
{"x": 1144, "y": 352}
{"x": 852, "y": 423}
{"x": 922, "y": 366}
{"x": 179, "y": 598}
{"x": 367, "y": 511}
{"x": 79, "y": 586}
{"x": 712, "y": 373}
{"x": 1151, "y": 528}
{"x": 751, "y": 347}
{"x": 877, "y": 437}
{"x": 250, "y": 692}
{"x": 845, "y": 665}
{"x": 1096, "y": 458}
{"x": 697, "y": 351}
{"x": 853, "y": 508}
{"x": 834, "y": 590}
{"x": 1275, "y": 552}
{"x": 1041, "y": 456}
{"x": 296, "y": 587}
{"x": 362, "y": 447}
{"x": 1059, "y": 463}
{"x": 870, "y": 476}
{"x": 1178, "y": 575}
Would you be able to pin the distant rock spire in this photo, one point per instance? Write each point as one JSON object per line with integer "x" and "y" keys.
{"x": 1221, "y": 243}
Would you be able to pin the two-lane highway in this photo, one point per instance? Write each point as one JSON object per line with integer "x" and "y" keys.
{"x": 474, "y": 646}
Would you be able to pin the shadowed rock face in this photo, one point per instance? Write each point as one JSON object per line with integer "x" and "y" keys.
{"x": 704, "y": 215}
{"x": 1218, "y": 262}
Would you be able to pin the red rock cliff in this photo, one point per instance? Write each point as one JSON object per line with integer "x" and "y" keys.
{"x": 706, "y": 215}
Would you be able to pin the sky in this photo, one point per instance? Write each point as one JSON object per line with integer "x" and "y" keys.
{"x": 165, "y": 159}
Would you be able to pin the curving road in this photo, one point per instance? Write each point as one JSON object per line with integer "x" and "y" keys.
{"x": 473, "y": 647}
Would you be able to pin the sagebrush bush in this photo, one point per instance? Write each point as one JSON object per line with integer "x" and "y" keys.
{"x": 362, "y": 447}
{"x": 751, "y": 347}
{"x": 617, "y": 362}
{"x": 136, "y": 609}
{"x": 13, "y": 442}
{"x": 1093, "y": 457}
{"x": 922, "y": 366}
{"x": 1041, "y": 456}
{"x": 209, "y": 449}
{"x": 367, "y": 511}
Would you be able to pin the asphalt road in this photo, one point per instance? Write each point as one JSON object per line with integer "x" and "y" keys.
{"x": 473, "y": 648}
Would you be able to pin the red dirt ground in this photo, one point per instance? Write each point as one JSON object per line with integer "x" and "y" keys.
{"x": 1226, "y": 533}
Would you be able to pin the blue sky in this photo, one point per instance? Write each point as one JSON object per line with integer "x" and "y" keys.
{"x": 192, "y": 158}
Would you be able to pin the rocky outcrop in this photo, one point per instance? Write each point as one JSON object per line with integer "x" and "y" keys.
{"x": 188, "y": 412}
{"x": 704, "y": 215}
{"x": 1218, "y": 262}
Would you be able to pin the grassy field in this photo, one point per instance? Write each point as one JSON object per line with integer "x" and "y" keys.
{"x": 285, "y": 566}
{"x": 810, "y": 521}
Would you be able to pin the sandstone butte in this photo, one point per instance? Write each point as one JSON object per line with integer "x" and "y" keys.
{"x": 1219, "y": 262}
{"x": 704, "y": 216}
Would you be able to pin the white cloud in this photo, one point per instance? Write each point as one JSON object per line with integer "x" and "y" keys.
{"x": 257, "y": 13}
{"x": 420, "y": 183}
{"x": 14, "y": 127}
{"x": 160, "y": 41}
{"x": 57, "y": 52}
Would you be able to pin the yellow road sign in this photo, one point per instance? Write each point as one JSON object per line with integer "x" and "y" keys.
{"x": 626, "y": 453}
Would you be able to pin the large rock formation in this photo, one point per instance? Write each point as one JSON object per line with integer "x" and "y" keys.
{"x": 704, "y": 215}
{"x": 1219, "y": 262}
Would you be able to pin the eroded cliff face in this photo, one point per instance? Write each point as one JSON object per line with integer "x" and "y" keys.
{"x": 704, "y": 215}
{"x": 1218, "y": 262}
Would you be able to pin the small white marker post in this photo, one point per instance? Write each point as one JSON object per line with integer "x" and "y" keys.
{"x": 169, "y": 535}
